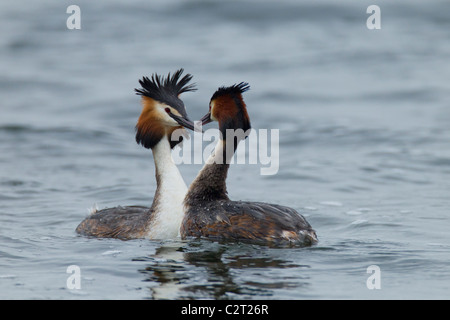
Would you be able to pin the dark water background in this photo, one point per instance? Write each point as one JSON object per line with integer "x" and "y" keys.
{"x": 364, "y": 126}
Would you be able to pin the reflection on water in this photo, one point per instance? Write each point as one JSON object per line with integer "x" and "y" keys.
{"x": 205, "y": 270}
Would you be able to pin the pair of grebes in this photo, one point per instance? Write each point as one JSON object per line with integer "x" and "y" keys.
{"x": 202, "y": 210}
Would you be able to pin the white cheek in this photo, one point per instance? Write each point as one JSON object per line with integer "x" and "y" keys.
{"x": 165, "y": 118}
{"x": 211, "y": 111}
{"x": 169, "y": 121}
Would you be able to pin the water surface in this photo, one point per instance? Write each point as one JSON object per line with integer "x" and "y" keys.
{"x": 364, "y": 145}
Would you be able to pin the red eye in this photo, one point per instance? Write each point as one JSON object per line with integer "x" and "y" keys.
{"x": 167, "y": 110}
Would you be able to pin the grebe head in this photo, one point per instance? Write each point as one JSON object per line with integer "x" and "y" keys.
{"x": 228, "y": 108}
{"x": 162, "y": 110}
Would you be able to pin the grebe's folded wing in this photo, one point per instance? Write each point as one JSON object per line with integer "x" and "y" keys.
{"x": 119, "y": 222}
{"x": 257, "y": 221}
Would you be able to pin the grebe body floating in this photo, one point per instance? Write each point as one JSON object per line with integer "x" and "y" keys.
{"x": 162, "y": 113}
{"x": 209, "y": 213}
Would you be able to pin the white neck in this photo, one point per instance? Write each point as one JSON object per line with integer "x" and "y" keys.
{"x": 171, "y": 190}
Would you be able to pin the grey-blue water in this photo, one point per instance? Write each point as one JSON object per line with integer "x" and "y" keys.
{"x": 364, "y": 120}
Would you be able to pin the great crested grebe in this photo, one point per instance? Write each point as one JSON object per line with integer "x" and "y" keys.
{"x": 209, "y": 213}
{"x": 162, "y": 113}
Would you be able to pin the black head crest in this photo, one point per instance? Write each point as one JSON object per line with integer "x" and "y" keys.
{"x": 231, "y": 90}
{"x": 165, "y": 89}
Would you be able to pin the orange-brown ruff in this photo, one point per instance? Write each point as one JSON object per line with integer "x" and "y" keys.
{"x": 162, "y": 113}
{"x": 209, "y": 213}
